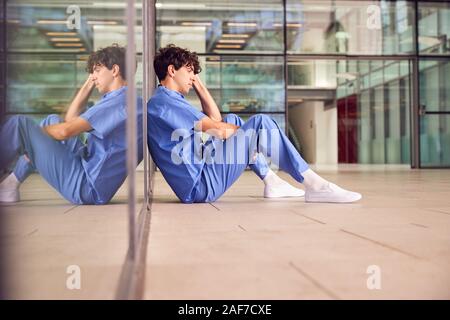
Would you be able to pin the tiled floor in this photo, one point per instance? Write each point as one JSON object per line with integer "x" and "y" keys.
{"x": 247, "y": 247}
{"x": 243, "y": 246}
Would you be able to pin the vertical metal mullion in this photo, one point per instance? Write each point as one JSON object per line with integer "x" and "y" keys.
{"x": 5, "y": 62}
{"x": 145, "y": 95}
{"x": 414, "y": 114}
{"x": 151, "y": 77}
{"x": 286, "y": 105}
{"x": 149, "y": 83}
{"x": 131, "y": 125}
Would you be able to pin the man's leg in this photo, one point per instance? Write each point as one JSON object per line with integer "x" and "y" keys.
{"x": 289, "y": 160}
{"x": 24, "y": 167}
{"x": 274, "y": 186}
{"x": 57, "y": 165}
{"x": 9, "y": 187}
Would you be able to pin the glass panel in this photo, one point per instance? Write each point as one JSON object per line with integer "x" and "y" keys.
{"x": 44, "y": 83}
{"x": 434, "y": 85}
{"x": 221, "y": 26}
{"x": 435, "y": 140}
{"x": 355, "y": 27}
{"x": 434, "y": 27}
{"x": 2, "y": 26}
{"x": 48, "y": 44}
{"x": 313, "y": 73}
{"x": 366, "y": 116}
{"x": 244, "y": 84}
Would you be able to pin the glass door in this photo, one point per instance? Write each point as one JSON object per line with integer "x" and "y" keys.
{"x": 434, "y": 113}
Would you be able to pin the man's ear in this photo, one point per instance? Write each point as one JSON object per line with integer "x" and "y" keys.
{"x": 116, "y": 70}
{"x": 170, "y": 70}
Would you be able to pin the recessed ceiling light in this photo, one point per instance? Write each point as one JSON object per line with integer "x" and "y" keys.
{"x": 289, "y": 25}
{"x": 104, "y": 22}
{"x": 65, "y": 39}
{"x": 68, "y": 44}
{"x": 228, "y": 46}
{"x": 206, "y": 24}
{"x": 231, "y": 41}
{"x": 242, "y": 24}
{"x": 235, "y": 35}
{"x": 52, "y": 22}
{"x": 58, "y": 34}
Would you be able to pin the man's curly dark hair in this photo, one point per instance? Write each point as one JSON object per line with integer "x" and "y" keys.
{"x": 176, "y": 56}
{"x": 108, "y": 57}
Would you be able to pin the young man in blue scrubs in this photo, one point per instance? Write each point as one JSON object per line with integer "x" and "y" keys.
{"x": 83, "y": 173}
{"x": 199, "y": 171}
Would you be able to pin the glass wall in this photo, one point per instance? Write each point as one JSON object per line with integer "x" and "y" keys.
{"x": 230, "y": 26}
{"x": 241, "y": 48}
{"x": 434, "y": 27}
{"x": 434, "y": 85}
{"x": 254, "y": 61}
{"x": 48, "y": 45}
{"x": 435, "y": 112}
{"x": 354, "y": 27}
{"x": 46, "y": 50}
{"x": 370, "y": 101}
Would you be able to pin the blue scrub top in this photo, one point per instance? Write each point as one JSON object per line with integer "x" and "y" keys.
{"x": 171, "y": 135}
{"x": 105, "y": 159}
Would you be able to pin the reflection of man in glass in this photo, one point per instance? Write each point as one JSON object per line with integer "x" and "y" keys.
{"x": 88, "y": 173}
{"x": 197, "y": 171}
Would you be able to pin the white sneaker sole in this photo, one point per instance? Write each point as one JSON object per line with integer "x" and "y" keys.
{"x": 333, "y": 199}
{"x": 9, "y": 196}
{"x": 275, "y": 194}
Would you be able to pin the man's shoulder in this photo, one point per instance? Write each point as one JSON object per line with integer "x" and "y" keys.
{"x": 106, "y": 102}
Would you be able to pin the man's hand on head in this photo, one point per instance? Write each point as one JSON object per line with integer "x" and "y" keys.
{"x": 197, "y": 84}
{"x": 90, "y": 83}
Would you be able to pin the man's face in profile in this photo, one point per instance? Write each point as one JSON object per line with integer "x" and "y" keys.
{"x": 184, "y": 78}
{"x": 102, "y": 78}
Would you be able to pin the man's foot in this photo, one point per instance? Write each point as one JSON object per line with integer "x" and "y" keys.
{"x": 331, "y": 193}
{"x": 9, "y": 189}
{"x": 11, "y": 195}
{"x": 282, "y": 190}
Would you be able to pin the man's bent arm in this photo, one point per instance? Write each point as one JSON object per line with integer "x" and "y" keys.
{"x": 209, "y": 106}
{"x": 219, "y": 129}
{"x": 79, "y": 102}
{"x": 68, "y": 129}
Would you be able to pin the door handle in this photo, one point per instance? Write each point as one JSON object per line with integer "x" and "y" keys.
{"x": 422, "y": 109}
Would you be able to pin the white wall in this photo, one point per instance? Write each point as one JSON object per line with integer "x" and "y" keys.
{"x": 316, "y": 129}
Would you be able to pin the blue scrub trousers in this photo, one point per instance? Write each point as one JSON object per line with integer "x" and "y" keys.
{"x": 218, "y": 177}
{"x": 58, "y": 162}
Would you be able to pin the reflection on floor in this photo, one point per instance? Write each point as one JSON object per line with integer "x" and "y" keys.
{"x": 397, "y": 239}
{"x": 48, "y": 242}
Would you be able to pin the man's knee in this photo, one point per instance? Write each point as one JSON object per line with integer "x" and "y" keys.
{"x": 50, "y": 119}
{"x": 233, "y": 119}
{"x": 19, "y": 120}
{"x": 263, "y": 119}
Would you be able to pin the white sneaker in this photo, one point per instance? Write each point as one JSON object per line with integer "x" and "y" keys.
{"x": 332, "y": 193}
{"x": 9, "y": 189}
{"x": 9, "y": 195}
{"x": 283, "y": 190}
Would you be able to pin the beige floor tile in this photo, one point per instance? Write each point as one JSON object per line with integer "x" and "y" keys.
{"x": 300, "y": 250}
